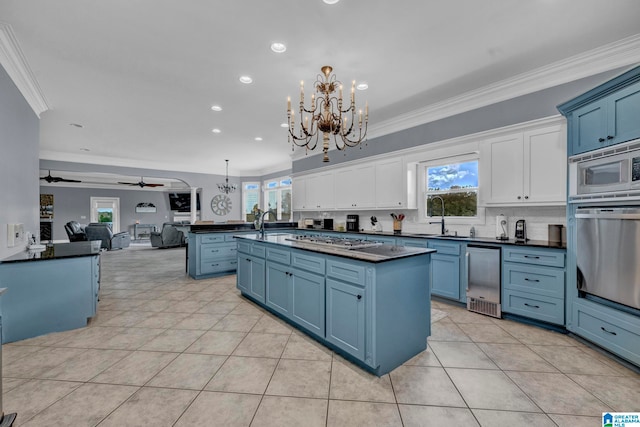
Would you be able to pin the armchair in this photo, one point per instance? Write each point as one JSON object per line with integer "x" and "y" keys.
{"x": 75, "y": 231}
{"x": 97, "y": 231}
{"x": 168, "y": 237}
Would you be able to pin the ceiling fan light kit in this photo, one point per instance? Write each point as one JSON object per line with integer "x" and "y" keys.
{"x": 141, "y": 183}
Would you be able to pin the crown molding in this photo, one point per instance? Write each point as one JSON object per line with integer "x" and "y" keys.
{"x": 614, "y": 55}
{"x": 16, "y": 66}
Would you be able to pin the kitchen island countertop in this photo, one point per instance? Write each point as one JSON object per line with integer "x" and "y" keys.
{"x": 377, "y": 253}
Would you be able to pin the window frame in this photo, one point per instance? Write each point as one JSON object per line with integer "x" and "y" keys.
{"x": 423, "y": 191}
{"x": 245, "y": 208}
{"x": 278, "y": 188}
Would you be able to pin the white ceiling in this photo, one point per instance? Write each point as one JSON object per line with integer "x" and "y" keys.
{"x": 141, "y": 75}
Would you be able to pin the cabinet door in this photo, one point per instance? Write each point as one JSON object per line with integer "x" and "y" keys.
{"x": 279, "y": 289}
{"x": 589, "y": 127}
{"x": 389, "y": 187}
{"x": 320, "y": 191}
{"x": 299, "y": 193}
{"x": 243, "y": 278}
{"x": 545, "y": 166}
{"x": 308, "y": 308}
{"x": 502, "y": 163}
{"x": 623, "y": 110}
{"x": 345, "y": 317}
{"x": 257, "y": 289}
{"x": 355, "y": 187}
{"x": 445, "y": 276}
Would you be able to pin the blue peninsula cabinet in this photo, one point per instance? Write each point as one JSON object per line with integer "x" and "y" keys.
{"x": 372, "y": 305}
{"x": 51, "y": 291}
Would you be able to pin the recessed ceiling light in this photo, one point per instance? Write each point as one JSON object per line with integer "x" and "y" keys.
{"x": 278, "y": 47}
{"x": 362, "y": 86}
{"x": 257, "y": 138}
{"x": 76, "y": 125}
{"x": 246, "y": 80}
{"x": 331, "y": 1}
{"x": 284, "y": 125}
{"x": 216, "y": 108}
{"x": 216, "y": 130}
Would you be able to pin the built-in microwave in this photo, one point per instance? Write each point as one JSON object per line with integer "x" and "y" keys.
{"x": 606, "y": 172}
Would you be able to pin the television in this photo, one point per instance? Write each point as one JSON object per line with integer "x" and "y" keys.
{"x": 181, "y": 202}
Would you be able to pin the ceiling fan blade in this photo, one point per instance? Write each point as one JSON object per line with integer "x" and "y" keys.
{"x": 153, "y": 185}
{"x": 128, "y": 183}
{"x": 67, "y": 180}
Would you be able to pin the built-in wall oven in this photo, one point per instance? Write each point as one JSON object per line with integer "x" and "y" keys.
{"x": 608, "y": 253}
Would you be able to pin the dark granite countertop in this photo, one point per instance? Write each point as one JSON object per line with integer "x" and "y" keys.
{"x": 375, "y": 254}
{"x": 475, "y": 240}
{"x": 56, "y": 251}
{"x": 242, "y": 226}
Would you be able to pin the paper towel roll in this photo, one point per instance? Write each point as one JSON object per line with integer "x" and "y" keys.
{"x": 502, "y": 227}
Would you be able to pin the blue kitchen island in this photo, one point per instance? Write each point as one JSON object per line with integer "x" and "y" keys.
{"x": 52, "y": 290}
{"x": 368, "y": 302}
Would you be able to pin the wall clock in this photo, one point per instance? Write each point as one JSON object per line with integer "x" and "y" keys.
{"x": 221, "y": 204}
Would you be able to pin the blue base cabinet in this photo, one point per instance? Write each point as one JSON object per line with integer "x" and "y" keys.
{"x": 212, "y": 254}
{"x": 250, "y": 277}
{"x": 533, "y": 283}
{"x": 447, "y": 278}
{"x": 345, "y": 317}
{"x": 375, "y": 314}
{"x": 48, "y": 296}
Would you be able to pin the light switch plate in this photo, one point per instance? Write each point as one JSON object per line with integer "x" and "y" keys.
{"x": 15, "y": 234}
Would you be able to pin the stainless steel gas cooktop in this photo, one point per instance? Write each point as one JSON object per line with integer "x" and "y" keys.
{"x": 334, "y": 241}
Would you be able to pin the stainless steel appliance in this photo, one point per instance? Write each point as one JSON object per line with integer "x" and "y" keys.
{"x": 613, "y": 171}
{"x": 521, "y": 231}
{"x": 345, "y": 243}
{"x": 483, "y": 278}
{"x": 308, "y": 223}
{"x": 353, "y": 223}
{"x": 607, "y": 253}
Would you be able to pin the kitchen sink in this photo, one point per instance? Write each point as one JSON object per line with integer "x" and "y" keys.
{"x": 423, "y": 235}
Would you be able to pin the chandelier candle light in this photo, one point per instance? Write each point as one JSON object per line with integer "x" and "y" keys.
{"x": 226, "y": 188}
{"x": 327, "y": 117}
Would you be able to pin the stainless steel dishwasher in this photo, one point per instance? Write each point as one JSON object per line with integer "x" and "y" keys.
{"x": 483, "y": 280}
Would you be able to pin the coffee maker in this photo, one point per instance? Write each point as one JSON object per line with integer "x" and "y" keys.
{"x": 353, "y": 223}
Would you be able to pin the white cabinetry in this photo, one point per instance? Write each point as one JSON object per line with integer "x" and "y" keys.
{"x": 313, "y": 192}
{"x": 355, "y": 187}
{"x": 390, "y": 184}
{"x": 524, "y": 168}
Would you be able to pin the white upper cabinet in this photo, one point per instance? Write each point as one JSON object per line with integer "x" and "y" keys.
{"x": 319, "y": 191}
{"x": 390, "y": 184}
{"x": 355, "y": 187}
{"x": 524, "y": 168}
{"x": 299, "y": 193}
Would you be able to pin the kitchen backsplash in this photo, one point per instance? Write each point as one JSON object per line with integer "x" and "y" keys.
{"x": 537, "y": 221}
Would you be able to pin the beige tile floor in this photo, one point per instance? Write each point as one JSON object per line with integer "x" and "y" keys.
{"x": 167, "y": 350}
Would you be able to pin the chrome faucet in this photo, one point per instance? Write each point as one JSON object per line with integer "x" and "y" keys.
{"x": 262, "y": 215}
{"x": 443, "y": 229}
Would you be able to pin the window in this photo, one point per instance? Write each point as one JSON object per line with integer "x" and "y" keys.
{"x": 456, "y": 183}
{"x": 277, "y": 197}
{"x": 250, "y": 199}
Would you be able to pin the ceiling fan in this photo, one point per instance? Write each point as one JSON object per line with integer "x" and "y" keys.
{"x": 51, "y": 179}
{"x": 141, "y": 183}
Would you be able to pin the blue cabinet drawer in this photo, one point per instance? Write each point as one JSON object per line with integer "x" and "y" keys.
{"x": 533, "y": 306}
{"x": 546, "y": 281}
{"x": 382, "y": 239}
{"x": 279, "y": 255}
{"x": 549, "y": 257}
{"x": 314, "y": 264}
{"x": 616, "y": 331}
{"x": 211, "y": 238}
{"x": 416, "y": 243}
{"x": 218, "y": 251}
{"x": 250, "y": 249}
{"x": 446, "y": 248}
{"x": 215, "y": 266}
{"x": 346, "y": 272}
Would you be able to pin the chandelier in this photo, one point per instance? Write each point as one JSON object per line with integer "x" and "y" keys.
{"x": 327, "y": 116}
{"x": 226, "y": 187}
